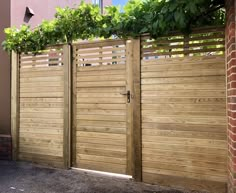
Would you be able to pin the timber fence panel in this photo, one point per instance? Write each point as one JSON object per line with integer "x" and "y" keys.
{"x": 44, "y": 107}
{"x": 153, "y": 109}
{"x": 183, "y": 90}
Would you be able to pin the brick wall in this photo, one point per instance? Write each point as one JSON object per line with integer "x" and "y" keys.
{"x": 5, "y": 147}
{"x": 231, "y": 85}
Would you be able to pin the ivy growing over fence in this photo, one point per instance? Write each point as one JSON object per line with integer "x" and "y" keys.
{"x": 156, "y": 17}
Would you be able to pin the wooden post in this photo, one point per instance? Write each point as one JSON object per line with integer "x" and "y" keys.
{"x": 134, "y": 150}
{"x": 67, "y": 106}
{"x": 74, "y": 101}
{"x": 186, "y": 45}
{"x": 15, "y": 105}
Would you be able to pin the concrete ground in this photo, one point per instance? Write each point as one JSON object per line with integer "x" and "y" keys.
{"x": 28, "y": 178}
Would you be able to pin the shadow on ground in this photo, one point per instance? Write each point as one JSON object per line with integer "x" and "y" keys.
{"x": 28, "y": 178}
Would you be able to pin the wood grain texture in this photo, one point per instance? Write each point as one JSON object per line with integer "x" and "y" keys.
{"x": 134, "y": 161}
{"x": 184, "y": 121}
{"x": 42, "y": 109}
{"x": 99, "y": 108}
{"x": 67, "y": 106}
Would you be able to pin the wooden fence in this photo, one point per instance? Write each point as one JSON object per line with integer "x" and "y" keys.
{"x": 153, "y": 109}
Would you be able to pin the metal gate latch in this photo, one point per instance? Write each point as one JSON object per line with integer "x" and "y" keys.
{"x": 127, "y": 93}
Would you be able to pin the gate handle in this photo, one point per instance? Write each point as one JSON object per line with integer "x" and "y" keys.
{"x": 127, "y": 93}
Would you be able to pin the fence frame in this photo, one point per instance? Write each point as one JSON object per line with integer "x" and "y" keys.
{"x": 133, "y": 74}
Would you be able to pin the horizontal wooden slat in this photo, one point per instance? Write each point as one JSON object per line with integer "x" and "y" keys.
{"x": 42, "y": 100}
{"x": 218, "y": 120}
{"x": 98, "y": 117}
{"x": 199, "y": 86}
{"x": 184, "y": 134}
{"x": 100, "y": 95}
{"x": 208, "y": 171}
{"x": 179, "y": 112}
{"x": 209, "y": 154}
{"x": 42, "y": 130}
{"x": 41, "y": 110}
{"x": 99, "y": 43}
{"x": 185, "y": 127}
{"x": 100, "y": 112}
{"x": 102, "y": 129}
{"x": 220, "y": 178}
{"x": 181, "y": 100}
{"x": 108, "y": 100}
{"x": 182, "y": 80}
{"x": 101, "y": 106}
{"x": 40, "y": 84}
{"x": 95, "y": 50}
{"x": 101, "y": 68}
{"x": 99, "y": 152}
{"x": 187, "y": 93}
{"x": 51, "y": 126}
{"x": 42, "y": 95}
{"x": 55, "y": 161}
{"x": 101, "y": 90}
{"x": 41, "y": 90}
{"x": 101, "y": 78}
{"x": 184, "y": 73}
{"x": 106, "y": 159}
{"x": 101, "y": 84}
{"x": 40, "y": 62}
{"x": 182, "y": 67}
{"x": 109, "y": 143}
{"x": 40, "y": 120}
{"x": 46, "y": 75}
{"x": 107, "y": 167}
{"x": 58, "y": 115}
{"x": 101, "y": 123}
{"x": 41, "y": 151}
{"x": 103, "y": 147}
{"x": 100, "y": 73}
{"x": 100, "y": 55}
{"x": 188, "y": 183}
{"x": 40, "y": 104}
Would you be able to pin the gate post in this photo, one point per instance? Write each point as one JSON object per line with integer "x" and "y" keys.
{"x": 134, "y": 144}
{"x": 15, "y": 104}
{"x": 67, "y": 61}
{"x": 230, "y": 54}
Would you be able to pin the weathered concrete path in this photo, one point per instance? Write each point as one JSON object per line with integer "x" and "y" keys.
{"x": 28, "y": 178}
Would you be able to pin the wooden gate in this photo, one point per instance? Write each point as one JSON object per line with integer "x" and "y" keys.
{"x": 102, "y": 106}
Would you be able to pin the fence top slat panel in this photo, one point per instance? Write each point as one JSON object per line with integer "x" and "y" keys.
{"x": 99, "y": 43}
{"x": 201, "y": 42}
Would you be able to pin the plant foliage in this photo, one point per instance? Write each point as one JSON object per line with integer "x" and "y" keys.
{"x": 156, "y": 17}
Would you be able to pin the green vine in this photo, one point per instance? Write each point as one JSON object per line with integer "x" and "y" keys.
{"x": 156, "y": 17}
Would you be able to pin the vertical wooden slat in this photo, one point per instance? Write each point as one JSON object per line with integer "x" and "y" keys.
{"x": 134, "y": 160}
{"x": 136, "y": 98}
{"x": 67, "y": 106}
{"x": 15, "y": 104}
{"x": 186, "y": 45}
{"x": 74, "y": 101}
{"x": 129, "y": 117}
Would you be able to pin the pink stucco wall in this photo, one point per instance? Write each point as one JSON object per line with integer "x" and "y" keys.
{"x": 5, "y": 82}
{"x": 44, "y": 9}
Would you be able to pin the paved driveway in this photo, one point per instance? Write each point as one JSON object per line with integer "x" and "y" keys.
{"x": 28, "y": 178}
